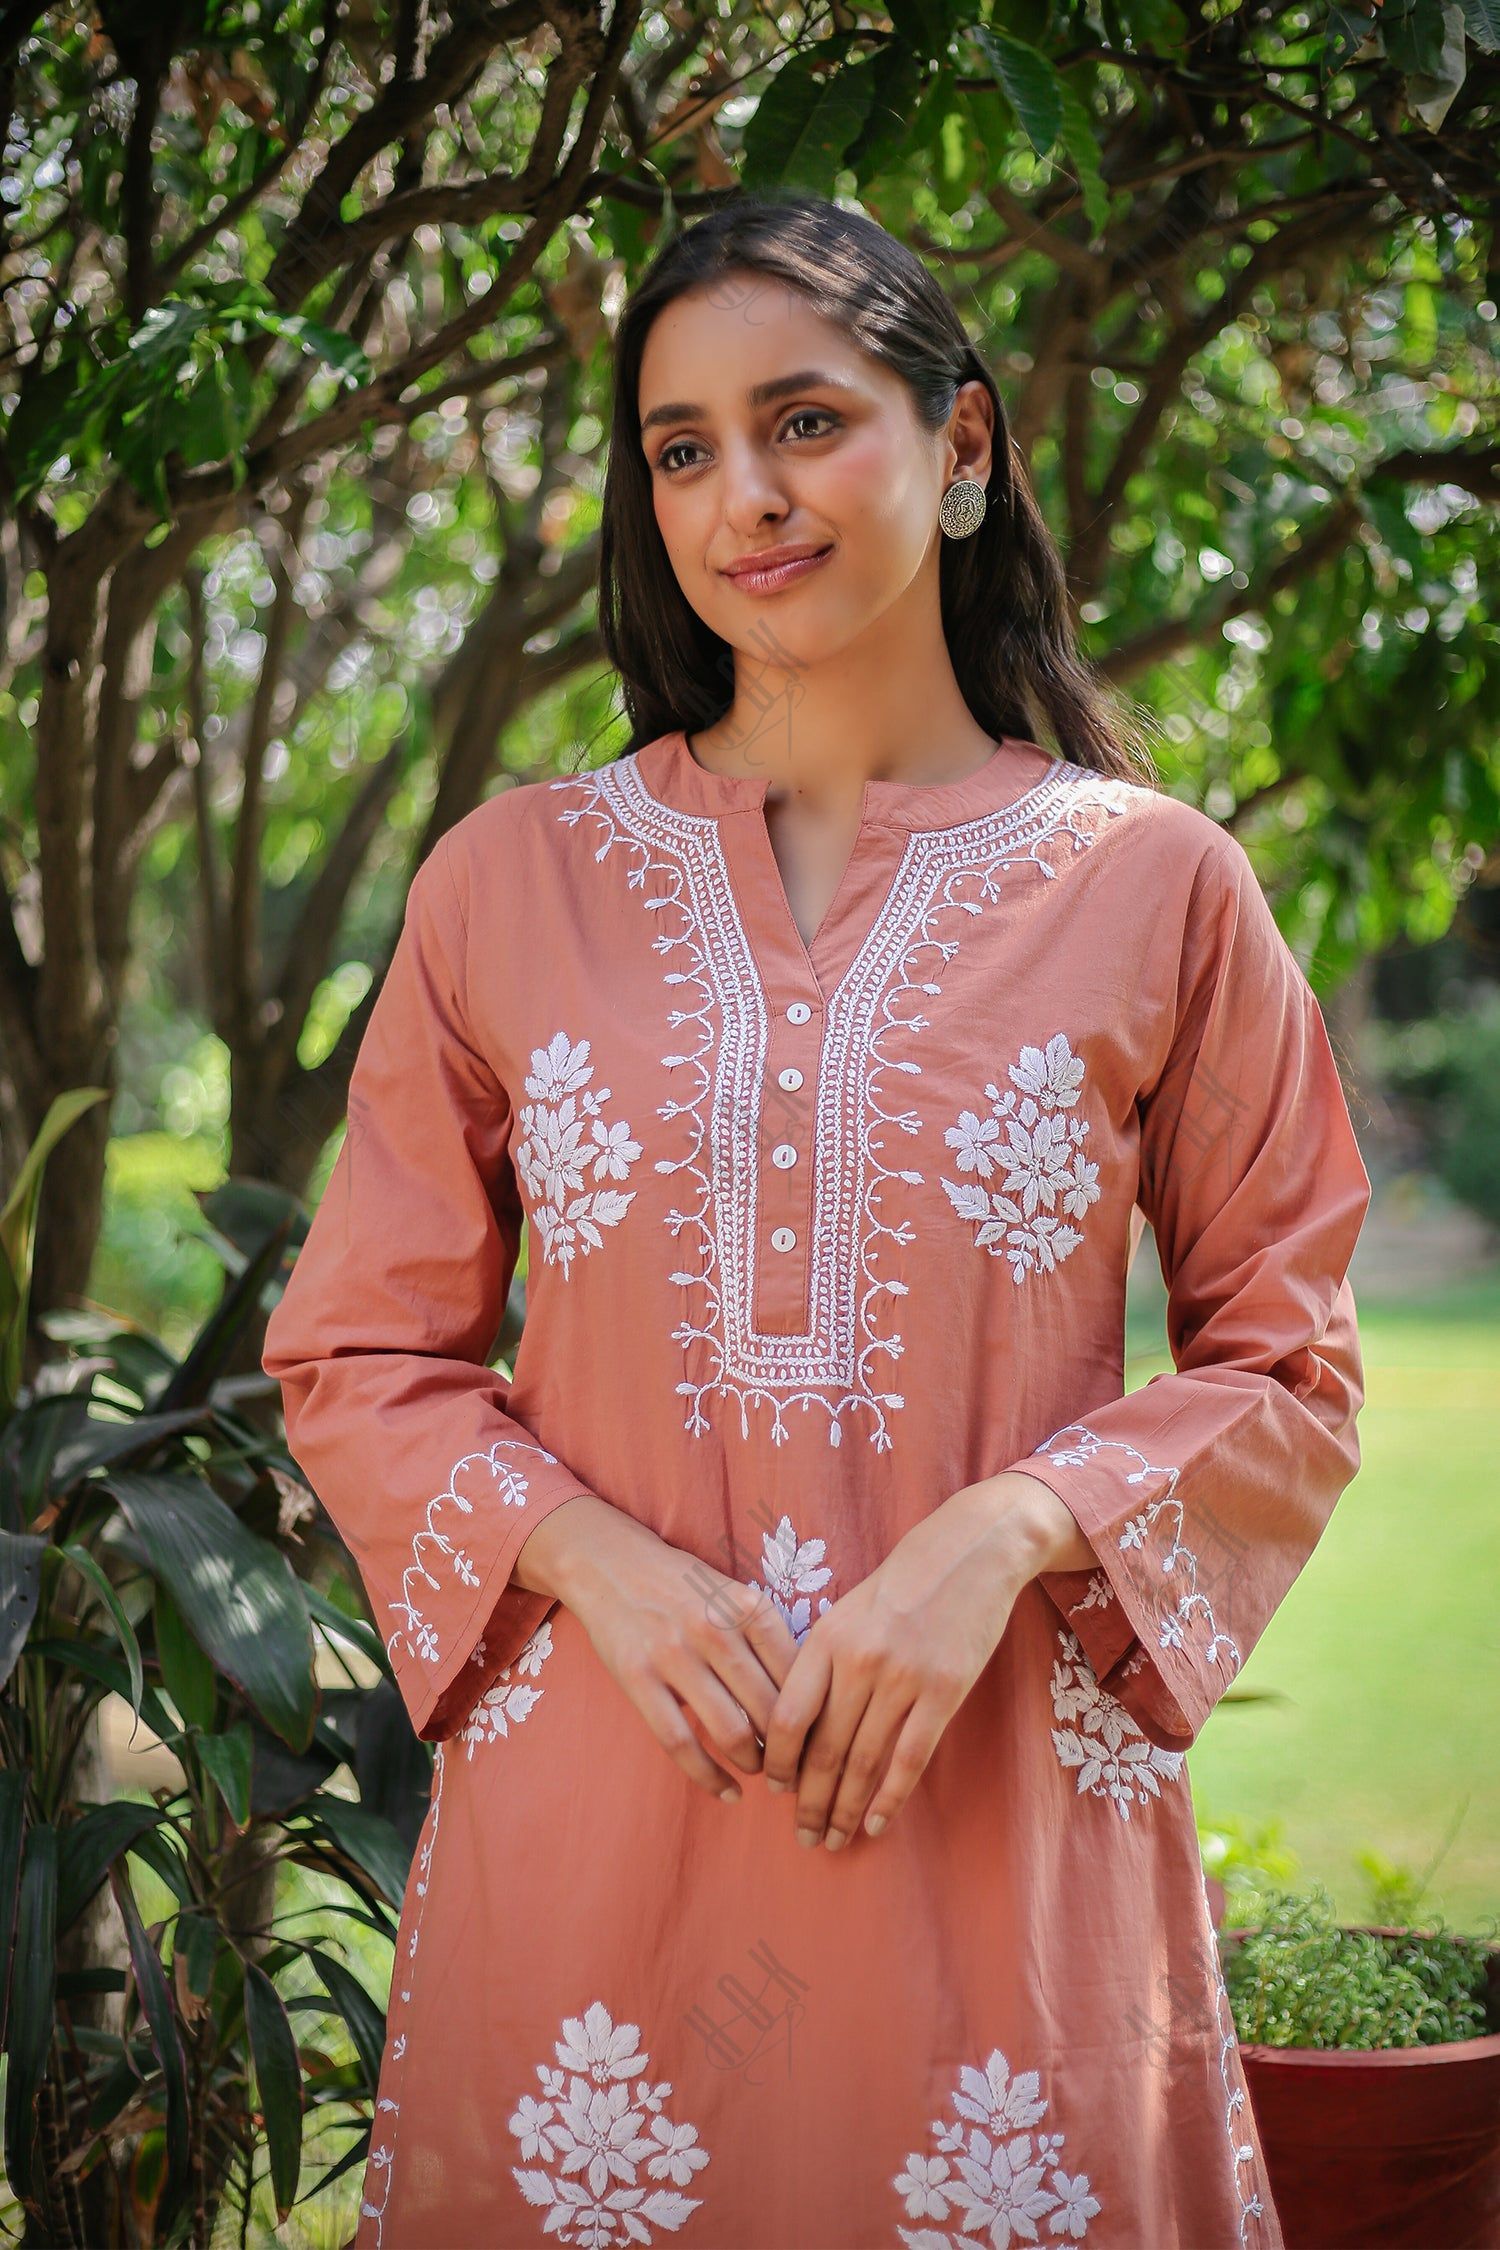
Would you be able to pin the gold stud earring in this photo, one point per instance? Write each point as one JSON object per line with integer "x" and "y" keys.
{"x": 961, "y": 509}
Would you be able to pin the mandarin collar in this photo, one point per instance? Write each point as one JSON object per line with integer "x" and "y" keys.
{"x": 1016, "y": 769}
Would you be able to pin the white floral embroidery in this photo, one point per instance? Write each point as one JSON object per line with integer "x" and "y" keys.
{"x": 1236, "y": 2095}
{"x": 592, "y": 2139}
{"x": 1100, "y": 1740}
{"x": 838, "y": 1361}
{"x": 507, "y": 1700}
{"x": 793, "y": 1571}
{"x": 476, "y": 1480}
{"x": 995, "y": 2189}
{"x": 1186, "y": 1622}
{"x": 1097, "y": 1595}
{"x": 387, "y": 2101}
{"x": 1045, "y": 1177}
{"x": 554, "y": 1156}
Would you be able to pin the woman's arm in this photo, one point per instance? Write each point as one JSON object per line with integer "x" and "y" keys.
{"x": 1204, "y": 1491}
{"x": 381, "y": 1337}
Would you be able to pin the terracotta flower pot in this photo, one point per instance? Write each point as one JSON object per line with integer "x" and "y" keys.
{"x": 1394, "y": 2145}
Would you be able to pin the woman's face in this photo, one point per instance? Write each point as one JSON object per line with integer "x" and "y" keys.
{"x": 834, "y": 458}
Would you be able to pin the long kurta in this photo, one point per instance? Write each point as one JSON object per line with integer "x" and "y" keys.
{"x": 820, "y": 1234}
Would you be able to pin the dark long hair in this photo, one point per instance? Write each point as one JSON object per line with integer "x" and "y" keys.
{"x": 1005, "y": 610}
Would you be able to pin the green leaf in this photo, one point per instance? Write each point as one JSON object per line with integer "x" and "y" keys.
{"x": 94, "y": 1572}
{"x": 1345, "y": 32}
{"x": 237, "y": 1594}
{"x": 278, "y": 2078}
{"x": 21, "y": 1555}
{"x": 807, "y": 121}
{"x": 187, "y": 1673}
{"x": 367, "y": 1840}
{"x": 164, "y": 339}
{"x": 337, "y": 1622}
{"x": 32, "y": 2005}
{"x": 365, "y": 2020}
{"x": 900, "y": 85}
{"x": 13, "y": 1782}
{"x": 227, "y": 1758}
{"x": 922, "y": 28}
{"x": 92, "y": 1658}
{"x": 161, "y": 2019}
{"x": 197, "y": 1943}
{"x": 1428, "y": 45}
{"x": 18, "y": 1232}
{"x": 1482, "y": 21}
{"x": 1080, "y": 139}
{"x": 90, "y": 1847}
{"x": 1031, "y": 84}
{"x": 336, "y": 350}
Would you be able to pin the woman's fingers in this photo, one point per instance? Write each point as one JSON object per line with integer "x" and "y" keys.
{"x": 916, "y": 1740}
{"x": 827, "y": 1751}
{"x": 767, "y": 1634}
{"x": 692, "y": 1648}
{"x": 673, "y": 1728}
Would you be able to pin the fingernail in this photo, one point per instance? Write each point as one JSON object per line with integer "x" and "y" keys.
{"x": 807, "y": 1835}
{"x": 834, "y": 1841}
{"x": 730, "y": 1796}
{"x": 777, "y": 1786}
{"x": 875, "y": 1823}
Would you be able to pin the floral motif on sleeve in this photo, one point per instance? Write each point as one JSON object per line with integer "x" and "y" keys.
{"x": 477, "y": 1481}
{"x": 1037, "y": 1148}
{"x": 1184, "y": 1614}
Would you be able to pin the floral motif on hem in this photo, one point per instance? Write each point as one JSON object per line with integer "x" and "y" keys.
{"x": 835, "y": 1363}
{"x": 991, "y": 2180}
{"x": 382, "y": 2151}
{"x": 507, "y": 1700}
{"x": 1046, "y": 1178}
{"x": 1100, "y": 1741}
{"x": 593, "y": 2138}
{"x": 553, "y": 1157}
{"x": 1186, "y": 1623}
{"x": 1236, "y": 2097}
{"x": 475, "y": 1479}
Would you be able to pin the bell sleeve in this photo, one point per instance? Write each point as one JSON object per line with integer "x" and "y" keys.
{"x": 1204, "y": 1491}
{"x": 381, "y": 1336}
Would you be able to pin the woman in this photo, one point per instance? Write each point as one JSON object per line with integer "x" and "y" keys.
{"x": 812, "y": 1630}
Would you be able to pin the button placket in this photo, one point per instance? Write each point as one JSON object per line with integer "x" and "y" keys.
{"x": 788, "y": 1111}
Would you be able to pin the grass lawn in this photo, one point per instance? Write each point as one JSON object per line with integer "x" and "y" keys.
{"x": 1387, "y": 1648}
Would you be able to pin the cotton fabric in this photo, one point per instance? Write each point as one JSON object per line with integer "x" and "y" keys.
{"x": 818, "y": 1236}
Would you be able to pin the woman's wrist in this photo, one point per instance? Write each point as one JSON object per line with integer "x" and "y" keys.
{"x": 1041, "y": 1528}
{"x": 552, "y": 1556}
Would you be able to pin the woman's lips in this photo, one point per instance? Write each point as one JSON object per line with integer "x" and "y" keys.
{"x": 781, "y": 574}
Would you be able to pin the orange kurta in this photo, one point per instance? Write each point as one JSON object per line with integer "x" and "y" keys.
{"x": 820, "y": 1235}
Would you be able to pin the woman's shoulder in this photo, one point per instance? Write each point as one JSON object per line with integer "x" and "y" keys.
{"x": 1160, "y": 836}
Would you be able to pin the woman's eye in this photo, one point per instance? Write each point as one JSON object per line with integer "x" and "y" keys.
{"x": 811, "y": 414}
{"x": 664, "y": 459}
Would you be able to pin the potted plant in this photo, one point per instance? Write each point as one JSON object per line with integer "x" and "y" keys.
{"x": 1372, "y": 2053}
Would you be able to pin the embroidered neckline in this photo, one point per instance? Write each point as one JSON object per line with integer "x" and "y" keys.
{"x": 674, "y": 777}
{"x": 718, "y": 1030}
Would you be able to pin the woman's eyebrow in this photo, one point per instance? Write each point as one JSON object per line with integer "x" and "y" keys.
{"x": 759, "y": 394}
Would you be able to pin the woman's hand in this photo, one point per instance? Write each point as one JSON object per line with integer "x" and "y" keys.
{"x": 880, "y": 1674}
{"x": 684, "y": 1641}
